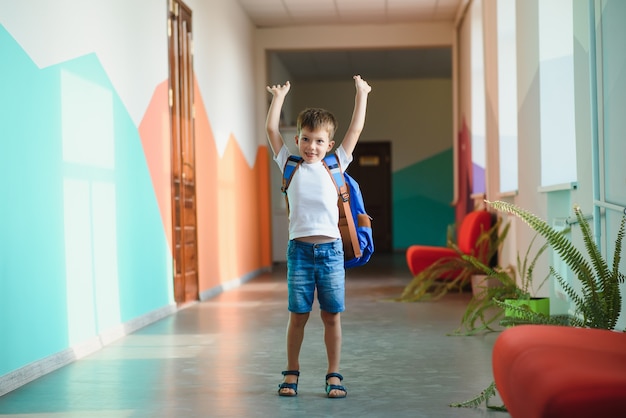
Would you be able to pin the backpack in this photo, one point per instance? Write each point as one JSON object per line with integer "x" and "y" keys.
{"x": 358, "y": 243}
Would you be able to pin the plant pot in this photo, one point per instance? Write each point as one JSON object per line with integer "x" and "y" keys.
{"x": 539, "y": 305}
{"x": 482, "y": 282}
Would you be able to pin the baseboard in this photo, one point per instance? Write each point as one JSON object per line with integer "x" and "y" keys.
{"x": 35, "y": 370}
{"x": 39, "y": 368}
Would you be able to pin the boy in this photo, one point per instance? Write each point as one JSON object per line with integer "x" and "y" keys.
{"x": 315, "y": 251}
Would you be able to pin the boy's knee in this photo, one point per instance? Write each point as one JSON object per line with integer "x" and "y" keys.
{"x": 298, "y": 319}
{"x": 330, "y": 317}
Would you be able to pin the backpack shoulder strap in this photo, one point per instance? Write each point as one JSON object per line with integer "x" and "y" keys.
{"x": 291, "y": 165}
{"x": 331, "y": 162}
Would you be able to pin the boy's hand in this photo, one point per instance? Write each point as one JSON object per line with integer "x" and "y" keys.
{"x": 279, "y": 91}
{"x": 272, "y": 122}
{"x": 361, "y": 85}
{"x": 358, "y": 115}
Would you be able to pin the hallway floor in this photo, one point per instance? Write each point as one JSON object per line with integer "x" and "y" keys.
{"x": 223, "y": 358}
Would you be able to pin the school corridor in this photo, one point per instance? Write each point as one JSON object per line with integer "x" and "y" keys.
{"x": 223, "y": 358}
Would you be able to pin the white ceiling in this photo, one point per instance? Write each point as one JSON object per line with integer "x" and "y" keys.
{"x": 276, "y": 13}
{"x": 372, "y": 64}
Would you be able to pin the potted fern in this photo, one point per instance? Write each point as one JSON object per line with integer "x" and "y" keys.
{"x": 428, "y": 285}
{"x": 523, "y": 299}
{"x": 491, "y": 284}
{"x": 512, "y": 293}
{"x": 598, "y": 303}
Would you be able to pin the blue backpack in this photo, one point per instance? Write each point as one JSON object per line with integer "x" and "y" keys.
{"x": 355, "y": 225}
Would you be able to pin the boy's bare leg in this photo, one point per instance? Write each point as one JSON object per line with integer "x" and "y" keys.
{"x": 295, "y": 335}
{"x": 332, "y": 339}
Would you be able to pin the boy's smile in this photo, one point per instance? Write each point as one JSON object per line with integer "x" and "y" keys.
{"x": 313, "y": 145}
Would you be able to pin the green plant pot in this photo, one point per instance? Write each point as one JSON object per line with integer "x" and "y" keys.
{"x": 539, "y": 305}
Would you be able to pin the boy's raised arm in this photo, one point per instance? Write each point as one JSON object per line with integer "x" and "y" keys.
{"x": 272, "y": 124}
{"x": 358, "y": 115}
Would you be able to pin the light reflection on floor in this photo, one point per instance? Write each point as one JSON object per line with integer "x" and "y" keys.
{"x": 223, "y": 357}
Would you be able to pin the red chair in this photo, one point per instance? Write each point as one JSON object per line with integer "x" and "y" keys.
{"x": 549, "y": 371}
{"x": 419, "y": 257}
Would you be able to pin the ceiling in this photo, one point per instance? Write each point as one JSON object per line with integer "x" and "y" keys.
{"x": 277, "y": 13}
{"x": 371, "y": 64}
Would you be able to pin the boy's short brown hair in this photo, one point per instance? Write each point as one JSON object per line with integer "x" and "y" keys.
{"x": 316, "y": 118}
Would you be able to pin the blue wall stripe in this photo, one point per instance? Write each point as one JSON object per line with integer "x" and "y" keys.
{"x": 33, "y": 270}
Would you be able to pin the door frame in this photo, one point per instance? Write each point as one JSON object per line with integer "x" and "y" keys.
{"x": 183, "y": 175}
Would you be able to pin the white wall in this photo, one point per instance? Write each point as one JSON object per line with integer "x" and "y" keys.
{"x": 54, "y": 32}
{"x": 415, "y": 115}
{"x": 224, "y": 67}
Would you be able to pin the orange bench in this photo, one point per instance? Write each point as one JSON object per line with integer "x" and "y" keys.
{"x": 420, "y": 257}
{"x": 550, "y": 371}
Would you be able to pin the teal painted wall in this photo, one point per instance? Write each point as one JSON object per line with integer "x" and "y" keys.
{"x": 82, "y": 246}
{"x": 422, "y": 194}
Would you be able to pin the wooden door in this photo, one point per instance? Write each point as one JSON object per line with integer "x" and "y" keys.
{"x": 184, "y": 218}
{"x": 371, "y": 168}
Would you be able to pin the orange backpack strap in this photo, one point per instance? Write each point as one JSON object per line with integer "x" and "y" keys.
{"x": 347, "y": 226}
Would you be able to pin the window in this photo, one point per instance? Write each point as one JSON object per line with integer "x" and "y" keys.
{"x": 478, "y": 116}
{"x": 507, "y": 95}
{"x": 556, "y": 78}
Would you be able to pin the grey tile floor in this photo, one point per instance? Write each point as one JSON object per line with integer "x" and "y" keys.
{"x": 223, "y": 357}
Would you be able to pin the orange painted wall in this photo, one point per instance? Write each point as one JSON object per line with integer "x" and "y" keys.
{"x": 154, "y": 130}
{"x": 234, "y": 231}
{"x": 206, "y": 179}
{"x": 262, "y": 165}
{"x": 233, "y": 207}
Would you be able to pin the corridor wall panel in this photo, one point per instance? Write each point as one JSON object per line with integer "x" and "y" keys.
{"x": 85, "y": 218}
{"x": 83, "y": 244}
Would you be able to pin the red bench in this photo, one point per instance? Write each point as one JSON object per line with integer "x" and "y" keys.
{"x": 550, "y": 371}
{"x": 420, "y": 257}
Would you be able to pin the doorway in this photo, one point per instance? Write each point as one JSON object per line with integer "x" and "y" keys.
{"x": 371, "y": 167}
{"x": 184, "y": 219}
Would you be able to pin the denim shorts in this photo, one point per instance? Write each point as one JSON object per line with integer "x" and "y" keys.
{"x": 315, "y": 266}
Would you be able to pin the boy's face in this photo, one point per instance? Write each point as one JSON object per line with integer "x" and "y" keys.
{"x": 313, "y": 145}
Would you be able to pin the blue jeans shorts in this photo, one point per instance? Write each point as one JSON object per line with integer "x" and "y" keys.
{"x": 315, "y": 266}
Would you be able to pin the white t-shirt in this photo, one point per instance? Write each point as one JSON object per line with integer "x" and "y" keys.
{"x": 312, "y": 197}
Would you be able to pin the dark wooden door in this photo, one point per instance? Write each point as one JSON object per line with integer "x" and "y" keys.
{"x": 371, "y": 167}
{"x": 184, "y": 218}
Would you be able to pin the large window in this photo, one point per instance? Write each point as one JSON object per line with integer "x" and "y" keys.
{"x": 478, "y": 122}
{"x": 556, "y": 74}
{"x": 507, "y": 95}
